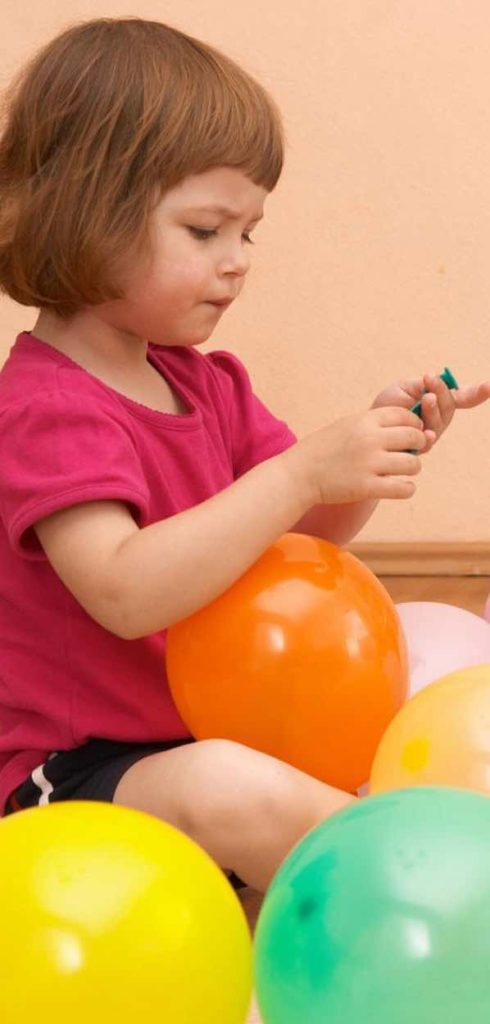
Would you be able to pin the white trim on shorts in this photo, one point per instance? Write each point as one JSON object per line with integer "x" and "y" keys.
{"x": 39, "y": 779}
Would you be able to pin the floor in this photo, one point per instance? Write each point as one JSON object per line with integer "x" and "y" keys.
{"x": 468, "y": 592}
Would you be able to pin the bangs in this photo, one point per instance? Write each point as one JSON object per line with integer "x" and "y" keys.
{"x": 225, "y": 120}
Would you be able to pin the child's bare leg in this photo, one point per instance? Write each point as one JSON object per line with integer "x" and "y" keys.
{"x": 245, "y": 808}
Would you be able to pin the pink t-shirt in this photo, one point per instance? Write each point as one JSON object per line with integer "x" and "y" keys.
{"x": 66, "y": 438}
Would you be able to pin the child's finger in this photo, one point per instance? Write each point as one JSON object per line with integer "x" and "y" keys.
{"x": 414, "y": 389}
{"x": 431, "y": 414}
{"x": 471, "y": 395}
{"x": 444, "y": 396}
{"x": 431, "y": 438}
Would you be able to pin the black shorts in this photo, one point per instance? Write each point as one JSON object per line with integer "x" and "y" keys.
{"x": 90, "y": 772}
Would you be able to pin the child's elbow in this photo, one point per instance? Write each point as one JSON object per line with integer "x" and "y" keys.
{"x": 123, "y": 623}
{"x": 123, "y": 610}
{"x": 116, "y": 613}
{"x": 128, "y": 621}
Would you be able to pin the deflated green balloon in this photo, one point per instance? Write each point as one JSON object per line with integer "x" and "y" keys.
{"x": 381, "y": 915}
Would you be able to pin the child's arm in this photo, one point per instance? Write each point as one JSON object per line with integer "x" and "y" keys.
{"x": 336, "y": 523}
{"x": 138, "y": 581}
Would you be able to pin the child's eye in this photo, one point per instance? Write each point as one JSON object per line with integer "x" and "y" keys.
{"x": 202, "y": 233}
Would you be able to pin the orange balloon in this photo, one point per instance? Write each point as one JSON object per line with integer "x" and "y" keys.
{"x": 302, "y": 658}
{"x": 441, "y": 736}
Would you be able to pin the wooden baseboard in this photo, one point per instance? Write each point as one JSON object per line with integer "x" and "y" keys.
{"x": 465, "y": 558}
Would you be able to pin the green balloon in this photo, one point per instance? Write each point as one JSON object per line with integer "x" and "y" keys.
{"x": 381, "y": 915}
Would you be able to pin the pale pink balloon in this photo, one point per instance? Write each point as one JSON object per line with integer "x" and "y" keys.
{"x": 440, "y": 639}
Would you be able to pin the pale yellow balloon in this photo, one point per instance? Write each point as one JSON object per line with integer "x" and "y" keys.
{"x": 110, "y": 916}
{"x": 440, "y": 737}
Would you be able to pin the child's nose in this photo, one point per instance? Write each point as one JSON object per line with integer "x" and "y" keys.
{"x": 236, "y": 263}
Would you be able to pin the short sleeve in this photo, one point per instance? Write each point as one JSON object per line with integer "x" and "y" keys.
{"x": 60, "y": 449}
{"x": 256, "y": 434}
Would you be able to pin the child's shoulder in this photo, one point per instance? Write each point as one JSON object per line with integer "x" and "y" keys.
{"x": 34, "y": 369}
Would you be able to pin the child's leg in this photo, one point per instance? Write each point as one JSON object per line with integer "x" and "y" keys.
{"x": 245, "y": 808}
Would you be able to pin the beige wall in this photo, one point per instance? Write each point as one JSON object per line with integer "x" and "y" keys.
{"x": 374, "y": 259}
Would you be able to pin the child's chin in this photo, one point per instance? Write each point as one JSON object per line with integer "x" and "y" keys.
{"x": 194, "y": 338}
{"x": 188, "y": 341}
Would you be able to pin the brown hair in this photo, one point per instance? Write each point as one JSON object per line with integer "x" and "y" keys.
{"x": 99, "y": 125}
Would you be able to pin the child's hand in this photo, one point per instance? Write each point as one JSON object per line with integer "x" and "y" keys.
{"x": 368, "y": 456}
{"x": 438, "y": 404}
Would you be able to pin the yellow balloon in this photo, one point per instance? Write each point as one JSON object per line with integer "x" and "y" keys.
{"x": 108, "y": 915}
{"x": 441, "y": 737}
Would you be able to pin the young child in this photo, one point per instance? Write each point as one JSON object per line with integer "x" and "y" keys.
{"x": 139, "y": 477}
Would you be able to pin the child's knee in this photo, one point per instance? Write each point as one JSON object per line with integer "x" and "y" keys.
{"x": 238, "y": 786}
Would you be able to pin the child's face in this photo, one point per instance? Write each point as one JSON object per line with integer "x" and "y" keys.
{"x": 201, "y": 257}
